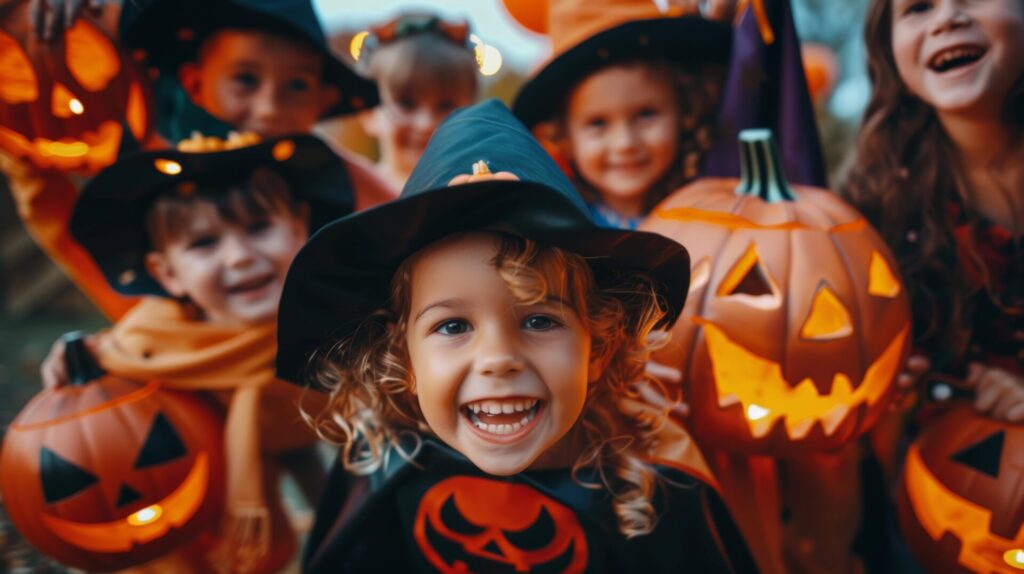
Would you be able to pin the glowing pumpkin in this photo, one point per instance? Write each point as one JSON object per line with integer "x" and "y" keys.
{"x": 470, "y": 524}
{"x": 105, "y": 473}
{"x": 62, "y": 103}
{"x": 796, "y": 324}
{"x": 961, "y": 505}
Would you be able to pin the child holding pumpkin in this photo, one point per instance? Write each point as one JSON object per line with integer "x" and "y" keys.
{"x": 627, "y": 101}
{"x": 424, "y": 68}
{"x": 939, "y": 169}
{"x": 211, "y": 233}
{"x": 475, "y": 367}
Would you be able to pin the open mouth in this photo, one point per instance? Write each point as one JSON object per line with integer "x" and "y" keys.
{"x": 955, "y": 58}
{"x": 503, "y": 418}
{"x": 250, "y": 285}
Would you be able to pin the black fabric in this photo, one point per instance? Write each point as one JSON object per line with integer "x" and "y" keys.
{"x": 694, "y": 532}
{"x": 109, "y": 217}
{"x": 170, "y": 33}
{"x": 343, "y": 273}
{"x": 689, "y": 40}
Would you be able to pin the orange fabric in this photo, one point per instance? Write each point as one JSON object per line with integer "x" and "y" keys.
{"x": 45, "y": 201}
{"x": 368, "y": 186}
{"x": 570, "y": 22}
{"x": 158, "y": 340}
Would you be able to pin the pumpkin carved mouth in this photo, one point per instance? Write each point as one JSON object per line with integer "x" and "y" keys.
{"x": 143, "y": 526}
{"x": 766, "y": 397}
{"x": 93, "y": 147}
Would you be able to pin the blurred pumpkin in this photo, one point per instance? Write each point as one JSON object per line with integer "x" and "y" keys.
{"x": 104, "y": 473}
{"x": 961, "y": 504}
{"x": 797, "y": 323}
{"x": 530, "y": 14}
{"x": 62, "y": 103}
{"x": 821, "y": 69}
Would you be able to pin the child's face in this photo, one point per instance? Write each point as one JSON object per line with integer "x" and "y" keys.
{"x": 959, "y": 56}
{"x": 622, "y": 133}
{"x": 499, "y": 381}
{"x": 233, "y": 272}
{"x": 259, "y": 82}
{"x": 403, "y": 124}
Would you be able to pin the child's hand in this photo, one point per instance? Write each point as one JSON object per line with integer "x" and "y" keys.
{"x": 49, "y": 17}
{"x": 53, "y": 370}
{"x": 720, "y": 10}
{"x": 916, "y": 366}
{"x": 998, "y": 393}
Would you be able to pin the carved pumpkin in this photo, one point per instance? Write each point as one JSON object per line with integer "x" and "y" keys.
{"x": 62, "y": 103}
{"x": 961, "y": 506}
{"x": 105, "y": 473}
{"x": 470, "y": 524}
{"x": 796, "y": 324}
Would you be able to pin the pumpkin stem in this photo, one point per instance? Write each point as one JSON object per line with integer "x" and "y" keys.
{"x": 761, "y": 168}
{"x": 81, "y": 366}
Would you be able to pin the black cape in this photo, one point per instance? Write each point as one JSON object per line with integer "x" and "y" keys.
{"x": 440, "y": 513}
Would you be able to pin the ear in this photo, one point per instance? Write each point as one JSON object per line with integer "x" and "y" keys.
{"x": 190, "y": 78}
{"x": 160, "y": 268}
{"x": 330, "y": 95}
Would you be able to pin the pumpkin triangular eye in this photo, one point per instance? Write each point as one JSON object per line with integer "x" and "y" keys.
{"x": 749, "y": 278}
{"x": 829, "y": 319}
{"x": 882, "y": 282}
{"x": 18, "y": 82}
{"x": 454, "y": 521}
{"x": 535, "y": 536}
{"x": 984, "y": 455}
{"x": 493, "y": 548}
{"x": 127, "y": 495}
{"x": 61, "y": 478}
{"x": 162, "y": 444}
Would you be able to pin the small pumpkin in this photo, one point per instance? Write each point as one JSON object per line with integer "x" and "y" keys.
{"x": 482, "y": 173}
{"x": 473, "y": 524}
{"x": 961, "y": 504}
{"x": 796, "y": 324}
{"x": 106, "y": 473}
{"x": 62, "y": 103}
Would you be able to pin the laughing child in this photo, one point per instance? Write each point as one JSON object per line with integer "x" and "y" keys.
{"x": 476, "y": 365}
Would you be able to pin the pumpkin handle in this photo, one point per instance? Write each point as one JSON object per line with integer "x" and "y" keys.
{"x": 81, "y": 366}
{"x": 761, "y": 172}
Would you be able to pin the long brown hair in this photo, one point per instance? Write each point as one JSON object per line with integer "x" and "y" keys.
{"x": 902, "y": 176}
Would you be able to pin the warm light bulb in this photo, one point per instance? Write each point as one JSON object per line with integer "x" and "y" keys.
{"x": 355, "y": 47}
{"x": 167, "y": 166}
{"x": 756, "y": 412}
{"x": 1014, "y": 558}
{"x": 76, "y": 107}
{"x": 488, "y": 58}
{"x": 146, "y": 515}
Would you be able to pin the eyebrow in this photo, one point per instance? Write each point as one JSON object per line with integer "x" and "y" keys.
{"x": 446, "y": 303}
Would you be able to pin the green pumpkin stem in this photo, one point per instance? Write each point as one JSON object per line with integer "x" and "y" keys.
{"x": 81, "y": 366}
{"x": 761, "y": 168}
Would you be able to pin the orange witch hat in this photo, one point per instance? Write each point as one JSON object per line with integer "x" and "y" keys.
{"x": 588, "y": 35}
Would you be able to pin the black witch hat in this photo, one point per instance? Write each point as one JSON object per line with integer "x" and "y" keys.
{"x": 109, "y": 217}
{"x": 344, "y": 272}
{"x": 170, "y": 32}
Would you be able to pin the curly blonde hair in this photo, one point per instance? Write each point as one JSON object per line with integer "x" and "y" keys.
{"x": 371, "y": 408}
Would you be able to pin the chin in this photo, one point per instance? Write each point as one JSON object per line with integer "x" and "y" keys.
{"x": 498, "y": 465}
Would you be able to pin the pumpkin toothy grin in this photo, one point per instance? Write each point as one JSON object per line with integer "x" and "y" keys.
{"x": 502, "y": 416}
{"x": 757, "y": 384}
{"x": 955, "y": 57}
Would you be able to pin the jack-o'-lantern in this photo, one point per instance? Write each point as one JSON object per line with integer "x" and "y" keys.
{"x": 62, "y": 103}
{"x": 961, "y": 505}
{"x": 796, "y": 324}
{"x": 470, "y": 524}
{"x": 105, "y": 473}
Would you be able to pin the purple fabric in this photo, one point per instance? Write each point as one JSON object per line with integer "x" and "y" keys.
{"x": 765, "y": 88}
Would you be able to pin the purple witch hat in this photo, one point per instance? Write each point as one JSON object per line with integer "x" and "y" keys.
{"x": 766, "y": 88}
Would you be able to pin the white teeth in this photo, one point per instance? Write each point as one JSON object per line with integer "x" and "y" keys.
{"x": 500, "y": 429}
{"x": 496, "y": 407}
{"x": 943, "y": 58}
{"x": 508, "y": 408}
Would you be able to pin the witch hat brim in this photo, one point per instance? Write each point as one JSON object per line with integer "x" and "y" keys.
{"x": 109, "y": 216}
{"x": 685, "y": 40}
{"x": 170, "y": 32}
{"x": 344, "y": 272}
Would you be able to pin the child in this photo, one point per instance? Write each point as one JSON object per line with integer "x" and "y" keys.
{"x": 476, "y": 364}
{"x": 939, "y": 169}
{"x": 211, "y": 234}
{"x": 627, "y": 101}
{"x": 424, "y": 68}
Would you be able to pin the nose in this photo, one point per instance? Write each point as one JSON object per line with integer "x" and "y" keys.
{"x": 236, "y": 251}
{"x": 266, "y": 105}
{"x": 424, "y": 120}
{"x": 497, "y": 354}
{"x": 949, "y": 15}
{"x": 623, "y": 136}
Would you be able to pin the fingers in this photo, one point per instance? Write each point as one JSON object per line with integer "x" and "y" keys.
{"x": 998, "y": 393}
{"x": 52, "y": 371}
{"x": 915, "y": 366}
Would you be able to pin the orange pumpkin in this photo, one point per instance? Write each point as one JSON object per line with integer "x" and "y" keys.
{"x": 470, "y": 524}
{"x": 796, "y": 323}
{"x": 530, "y": 14}
{"x": 106, "y": 473}
{"x": 62, "y": 103}
{"x": 961, "y": 505}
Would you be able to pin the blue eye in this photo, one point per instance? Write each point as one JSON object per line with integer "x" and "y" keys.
{"x": 540, "y": 323}
{"x": 452, "y": 327}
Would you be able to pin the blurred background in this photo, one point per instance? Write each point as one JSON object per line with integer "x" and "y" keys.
{"x": 38, "y": 304}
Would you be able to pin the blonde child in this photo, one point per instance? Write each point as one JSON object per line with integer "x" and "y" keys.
{"x": 627, "y": 101}
{"x": 425, "y": 68}
{"x": 476, "y": 362}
